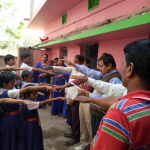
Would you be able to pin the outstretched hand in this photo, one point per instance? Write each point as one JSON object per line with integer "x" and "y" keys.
{"x": 81, "y": 78}
{"x": 48, "y": 67}
{"x": 51, "y": 88}
{"x": 70, "y": 63}
{"x": 82, "y": 99}
{"x": 83, "y": 92}
{"x": 51, "y": 72}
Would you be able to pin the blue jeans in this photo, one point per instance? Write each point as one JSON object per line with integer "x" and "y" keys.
{"x": 95, "y": 121}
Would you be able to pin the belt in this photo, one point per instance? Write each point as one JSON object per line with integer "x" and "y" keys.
{"x": 13, "y": 112}
{"x": 32, "y": 119}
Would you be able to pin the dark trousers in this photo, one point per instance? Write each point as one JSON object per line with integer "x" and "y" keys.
{"x": 73, "y": 114}
{"x": 95, "y": 121}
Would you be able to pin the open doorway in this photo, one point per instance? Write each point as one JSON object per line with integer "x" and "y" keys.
{"x": 91, "y": 52}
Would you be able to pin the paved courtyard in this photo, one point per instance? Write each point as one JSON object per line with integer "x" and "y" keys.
{"x": 53, "y": 130}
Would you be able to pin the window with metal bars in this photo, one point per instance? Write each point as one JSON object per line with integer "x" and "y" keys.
{"x": 92, "y": 4}
{"x": 64, "y": 19}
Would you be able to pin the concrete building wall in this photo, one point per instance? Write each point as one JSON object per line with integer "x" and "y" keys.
{"x": 79, "y": 16}
{"x": 116, "y": 49}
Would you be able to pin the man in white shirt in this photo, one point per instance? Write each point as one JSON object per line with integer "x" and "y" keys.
{"x": 73, "y": 111}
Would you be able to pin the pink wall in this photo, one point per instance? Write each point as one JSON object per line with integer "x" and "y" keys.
{"x": 37, "y": 54}
{"x": 116, "y": 49}
{"x": 79, "y": 16}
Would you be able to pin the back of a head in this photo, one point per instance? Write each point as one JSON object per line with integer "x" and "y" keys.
{"x": 24, "y": 55}
{"x": 6, "y": 77}
{"x": 61, "y": 57}
{"x": 25, "y": 74}
{"x": 87, "y": 61}
{"x": 7, "y": 58}
{"x": 28, "y": 93}
{"x": 56, "y": 59}
{"x": 138, "y": 53}
{"x": 108, "y": 59}
{"x": 80, "y": 58}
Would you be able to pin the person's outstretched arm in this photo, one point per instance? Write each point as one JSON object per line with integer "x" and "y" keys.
{"x": 104, "y": 102}
{"x": 45, "y": 102}
{"x": 60, "y": 69}
{"x": 16, "y": 101}
{"x": 12, "y": 69}
{"x": 107, "y": 88}
{"x": 41, "y": 70}
{"x": 85, "y": 70}
{"x": 17, "y": 92}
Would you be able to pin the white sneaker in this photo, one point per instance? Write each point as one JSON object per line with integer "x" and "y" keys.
{"x": 79, "y": 148}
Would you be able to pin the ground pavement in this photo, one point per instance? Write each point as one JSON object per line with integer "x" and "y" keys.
{"x": 53, "y": 130}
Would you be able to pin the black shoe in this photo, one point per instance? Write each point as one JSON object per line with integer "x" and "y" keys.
{"x": 71, "y": 142}
{"x": 68, "y": 135}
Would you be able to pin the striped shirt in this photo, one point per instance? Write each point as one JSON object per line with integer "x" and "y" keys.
{"x": 126, "y": 124}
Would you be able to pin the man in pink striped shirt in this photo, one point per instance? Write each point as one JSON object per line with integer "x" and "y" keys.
{"x": 126, "y": 124}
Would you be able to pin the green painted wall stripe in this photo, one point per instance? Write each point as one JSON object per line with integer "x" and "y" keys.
{"x": 135, "y": 21}
{"x": 138, "y": 115}
{"x": 114, "y": 134}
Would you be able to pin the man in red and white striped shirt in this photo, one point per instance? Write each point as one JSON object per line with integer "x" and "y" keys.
{"x": 126, "y": 124}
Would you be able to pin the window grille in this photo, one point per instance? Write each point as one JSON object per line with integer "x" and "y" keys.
{"x": 64, "y": 19}
{"x": 92, "y": 4}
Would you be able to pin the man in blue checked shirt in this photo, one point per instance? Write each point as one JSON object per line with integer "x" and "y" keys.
{"x": 107, "y": 73}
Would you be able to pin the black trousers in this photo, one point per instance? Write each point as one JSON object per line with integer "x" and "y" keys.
{"x": 73, "y": 114}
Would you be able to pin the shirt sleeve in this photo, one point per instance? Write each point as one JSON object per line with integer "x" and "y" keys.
{"x": 113, "y": 132}
{"x": 32, "y": 107}
{"x": 14, "y": 93}
{"x": 96, "y": 96}
{"x": 62, "y": 69}
{"x": 115, "y": 81}
{"x": 92, "y": 73}
{"x": 107, "y": 88}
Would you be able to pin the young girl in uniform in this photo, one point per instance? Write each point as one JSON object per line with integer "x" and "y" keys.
{"x": 11, "y": 128}
{"x": 33, "y": 131}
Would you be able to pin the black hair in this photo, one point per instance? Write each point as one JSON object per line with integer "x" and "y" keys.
{"x": 28, "y": 93}
{"x": 24, "y": 55}
{"x": 6, "y": 77}
{"x": 87, "y": 61}
{"x": 108, "y": 59}
{"x": 56, "y": 59}
{"x": 8, "y": 57}
{"x": 46, "y": 55}
{"x": 80, "y": 58}
{"x": 25, "y": 74}
{"x": 62, "y": 58}
{"x": 51, "y": 61}
{"x": 138, "y": 53}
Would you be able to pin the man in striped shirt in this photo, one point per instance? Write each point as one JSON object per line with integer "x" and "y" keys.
{"x": 126, "y": 124}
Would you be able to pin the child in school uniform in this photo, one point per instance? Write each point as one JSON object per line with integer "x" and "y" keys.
{"x": 32, "y": 128}
{"x": 11, "y": 128}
